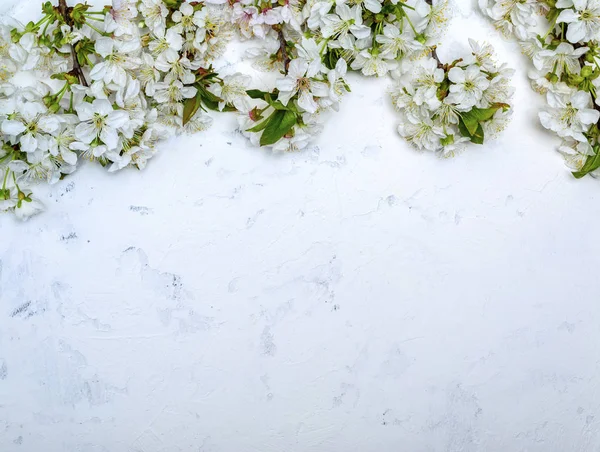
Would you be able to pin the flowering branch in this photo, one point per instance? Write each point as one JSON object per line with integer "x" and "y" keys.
{"x": 283, "y": 49}
{"x": 566, "y": 62}
{"x": 77, "y": 71}
{"x": 115, "y": 83}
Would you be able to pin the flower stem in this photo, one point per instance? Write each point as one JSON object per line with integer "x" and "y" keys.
{"x": 5, "y": 178}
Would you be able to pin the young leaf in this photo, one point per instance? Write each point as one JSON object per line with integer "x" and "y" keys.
{"x": 476, "y": 137}
{"x": 262, "y": 125}
{"x": 476, "y": 115}
{"x": 256, "y": 93}
{"x": 209, "y": 99}
{"x": 592, "y": 163}
{"x": 282, "y": 123}
{"x": 191, "y": 106}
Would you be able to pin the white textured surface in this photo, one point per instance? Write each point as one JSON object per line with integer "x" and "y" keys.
{"x": 356, "y": 297}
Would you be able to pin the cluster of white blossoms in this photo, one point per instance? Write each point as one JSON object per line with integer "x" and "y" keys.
{"x": 562, "y": 37}
{"x": 313, "y": 44}
{"x": 108, "y": 84}
{"x": 445, "y": 106}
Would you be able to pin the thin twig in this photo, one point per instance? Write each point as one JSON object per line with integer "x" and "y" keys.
{"x": 435, "y": 56}
{"x": 283, "y": 49}
{"x": 63, "y": 9}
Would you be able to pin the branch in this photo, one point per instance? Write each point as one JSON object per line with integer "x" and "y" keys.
{"x": 282, "y": 49}
{"x": 435, "y": 56}
{"x": 77, "y": 70}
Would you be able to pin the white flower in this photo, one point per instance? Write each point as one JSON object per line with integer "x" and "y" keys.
{"x": 89, "y": 151}
{"x": 456, "y": 147}
{"x": 484, "y": 55}
{"x": 242, "y": 16}
{"x": 512, "y": 16}
{"x": 233, "y": 91}
{"x": 316, "y": 12}
{"x": 61, "y": 142}
{"x": 427, "y": 79}
{"x": 199, "y": 123}
{"x": 115, "y": 63}
{"x": 422, "y": 133}
{"x": 397, "y": 42}
{"x": 584, "y": 20}
{"x": 33, "y": 125}
{"x": 497, "y": 123}
{"x": 167, "y": 43}
{"x": 185, "y": 17}
{"x": 119, "y": 19}
{"x": 372, "y": 5}
{"x": 575, "y": 153}
{"x": 499, "y": 89}
{"x": 173, "y": 92}
{"x": 210, "y": 23}
{"x": 28, "y": 207}
{"x": 403, "y": 99}
{"x": 310, "y": 51}
{"x": 569, "y": 114}
{"x": 345, "y": 20}
{"x": 467, "y": 86}
{"x": 337, "y": 85}
{"x": 539, "y": 82}
{"x": 177, "y": 68}
{"x": 564, "y": 58}
{"x": 155, "y": 13}
{"x": 297, "y": 80}
{"x": 130, "y": 101}
{"x": 70, "y": 35}
{"x": 148, "y": 75}
{"x": 26, "y": 53}
{"x": 371, "y": 63}
{"x": 100, "y": 120}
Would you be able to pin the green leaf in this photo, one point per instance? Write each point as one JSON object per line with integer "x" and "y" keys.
{"x": 477, "y": 137}
{"x": 210, "y": 103}
{"x": 262, "y": 125}
{"x": 277, "y": 105}
{"x": 476, "y": 115}
{"x": 191, "y": 106}
{"x": 229, "y": 107}
{"x": 280, "y": 124}
{"x": 592, "y": 163}
{"x": 463, "y": 129}
{"x": 256, "y": 93}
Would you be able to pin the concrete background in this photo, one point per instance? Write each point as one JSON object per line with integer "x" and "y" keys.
{"x": 355, "y": 297}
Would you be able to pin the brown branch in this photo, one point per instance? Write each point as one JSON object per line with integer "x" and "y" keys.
{"x": 64, "y": 11}
{"x": 283, "y": 49}
{"x": 436, "y": 58}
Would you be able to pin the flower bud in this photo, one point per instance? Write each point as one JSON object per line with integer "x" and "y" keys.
{"x": 54, "y": 108}
{"x": 71, "y": 79}
{"x": 589, "y": 57}
{"x": 551, "y": 77}
{"x": 421, "y": 38}
{"x": 586, "y": 71}
{"x": 48, "y": 100}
